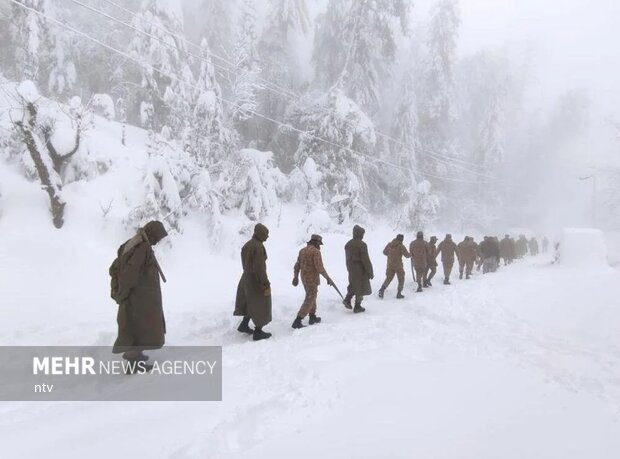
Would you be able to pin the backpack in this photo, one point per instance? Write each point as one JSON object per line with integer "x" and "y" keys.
{"x": 114, "y": 271}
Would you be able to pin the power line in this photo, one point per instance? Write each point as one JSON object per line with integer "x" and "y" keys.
{"x": 288, "y": 126}
{"x": 270, "y": 85}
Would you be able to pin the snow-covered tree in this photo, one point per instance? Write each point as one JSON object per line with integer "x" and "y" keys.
{"x": 31, "y": 38}
{"x": 437, "y": 98}
{"x": 208, "y": 140}
{"x": 336, "y": 130}
{"x": 62, "y": 77}
{"x": 39, "y": 130}
{"x": 256, "y": 184}
{"x": 245, "y": 85}
{"x": 167, "y": 79}
{"x": 355, "y": 43}
{"x": 421, "y": 206}
{"x": 287, "y": 26}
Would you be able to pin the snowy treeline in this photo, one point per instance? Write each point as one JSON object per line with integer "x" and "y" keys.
{"x": 352, "y": 109}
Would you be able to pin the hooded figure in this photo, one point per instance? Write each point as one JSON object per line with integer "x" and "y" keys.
{"x": 395, "y": 251}
{"x": 135, "y": 287}
{"x": 359, "y": 268}
{"x": 419, "y": 259}
{"x": 254, "y": 289}
{"x": 448, "y": 251}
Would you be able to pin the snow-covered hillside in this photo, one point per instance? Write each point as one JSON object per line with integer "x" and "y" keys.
{"x": 522, "y": 363}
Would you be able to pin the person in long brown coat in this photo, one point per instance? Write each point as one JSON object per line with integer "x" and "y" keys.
{"x": 359, "y": 268}
{"x": 467, "y": 254}
{"x": 136, "y": 288}
{"x": 448, "y": 251}
{"x": 395, "y": 251}
{"x": 310, "y": 265}
{"x": 254, "y": 290}
{"x": 432, "y": 261}
{"x": 419, "y": 259}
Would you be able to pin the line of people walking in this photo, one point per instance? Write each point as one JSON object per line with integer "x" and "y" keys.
{"x": 254, "y": 292}
{"x": 136, "y": 274}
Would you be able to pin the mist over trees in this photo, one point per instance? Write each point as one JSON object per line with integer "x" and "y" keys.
{"x": 358, "y": 107}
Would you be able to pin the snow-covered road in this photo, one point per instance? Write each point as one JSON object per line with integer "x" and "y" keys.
{"x": 523, "y": 363}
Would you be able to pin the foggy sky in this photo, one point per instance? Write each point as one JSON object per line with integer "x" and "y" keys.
{"x": 576, "y": 43}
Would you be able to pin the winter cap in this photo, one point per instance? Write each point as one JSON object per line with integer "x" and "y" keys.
{"x": 261, "y": 232}
{"x": 420, "y": 234}
{"x": 400, "y": 237}
{"x": 316, "y": 238}
{"x": 155, "y": 231}
{"x": 358, "y": 232}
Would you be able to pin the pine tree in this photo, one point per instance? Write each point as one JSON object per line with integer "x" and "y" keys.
{"x": 355, "y": 44}
{"x": 31, "y": 38}
{"x": 208, "y": 141}
{"x": 245, "y": 85}
{"x": 63, "y": 75}
{"x": 256, "y": 184}
{"x": 166, "y": 82}
{"x": 336, "y": 129}
{"x": 288, "y": 23}
{"x": 437, "y": 112}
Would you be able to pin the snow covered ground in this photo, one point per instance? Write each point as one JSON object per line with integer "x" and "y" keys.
{"x": 524, "y": 363}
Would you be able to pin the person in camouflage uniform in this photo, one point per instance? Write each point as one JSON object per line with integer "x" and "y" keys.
{"x": 395, "y": 251}
{"x": 467, "y": 254}
{"x": 432, "y": 261}
{"x": 254, "y": 290}
{"x": 359, "y": 268}
{"x": 448, "y": 251}
{"x": 506, "y": 249}
{"x": 419, "y": 259}
{"x": 521, "y": 246}
{"x": 310, "y": 265}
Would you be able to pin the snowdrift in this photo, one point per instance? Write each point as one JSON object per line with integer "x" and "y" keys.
{"x": 583, "y": 248}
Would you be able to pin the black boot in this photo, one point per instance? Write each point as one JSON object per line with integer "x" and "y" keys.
{"x": 358, "y": 308}
{"x": 347, "y": 302}
{"x": 428, "y": 283}
{"x": 381, "y": 291}
{"x": 297, "y": 323}
{"x": 259, "y": 334}
{"x": 468, "y": 277}
{"x": 460, "y": 275}
{"x": 446, "y": 281}
{"x": 400, "y": 295}
{"x": 419, "y": 290}
{"x": 244, "y": 326}
{"x": 314, "y": 319}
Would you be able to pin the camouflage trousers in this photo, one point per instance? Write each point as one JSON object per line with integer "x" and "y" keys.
{"x": 466, "y": 266}
{"x": 420, "y": 276}
{"x": 309, "y": 304}
{"x": 447, "y": 269}
{"x": 430, "y": 273}
{"x": 389, "y": 277}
